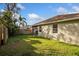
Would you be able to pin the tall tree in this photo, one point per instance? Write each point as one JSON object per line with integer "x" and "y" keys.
{"x": 11, "y": 9}
{"x": 7, "y": 18}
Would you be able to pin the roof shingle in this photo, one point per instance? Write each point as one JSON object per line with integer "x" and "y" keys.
{"x": 57, "y": 18}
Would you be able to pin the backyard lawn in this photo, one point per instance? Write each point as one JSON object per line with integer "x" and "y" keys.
{"x": 28, "y": 45}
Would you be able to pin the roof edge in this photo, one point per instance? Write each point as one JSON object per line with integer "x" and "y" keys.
{"x": 69, "y": 19}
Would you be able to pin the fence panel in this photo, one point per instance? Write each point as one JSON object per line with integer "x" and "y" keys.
{"x": 3, "y": 35}
{"x": 0, "y": 34}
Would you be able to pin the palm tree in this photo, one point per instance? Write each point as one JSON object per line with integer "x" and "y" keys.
{"x": 22, "y": 21}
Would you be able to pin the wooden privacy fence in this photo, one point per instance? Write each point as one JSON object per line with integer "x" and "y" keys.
{"x": 3, "y": 34}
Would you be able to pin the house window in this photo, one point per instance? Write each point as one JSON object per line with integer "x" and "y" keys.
{"x": 55, "y": 28}
{"x": 40, "y": 29}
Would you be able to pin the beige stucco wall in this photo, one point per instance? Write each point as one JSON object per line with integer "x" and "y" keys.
{"x": 46, "y": 31}
{"x": 68, "y": 32}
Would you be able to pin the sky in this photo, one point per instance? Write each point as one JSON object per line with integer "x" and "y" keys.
{"x": 36, "y": 12}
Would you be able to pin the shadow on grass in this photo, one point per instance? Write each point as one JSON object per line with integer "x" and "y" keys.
{"x": 22, "y": 45}
{"x": 19, "y": 45}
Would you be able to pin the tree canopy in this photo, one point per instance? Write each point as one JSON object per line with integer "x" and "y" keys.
{"x": 7, "y": 17}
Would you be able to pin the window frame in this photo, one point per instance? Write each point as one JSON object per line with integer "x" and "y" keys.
{"x": 55, "y": 28}
{"x": 40, "y": 29}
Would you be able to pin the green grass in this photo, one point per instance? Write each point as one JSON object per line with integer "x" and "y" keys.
{"x": 27, "y": 45}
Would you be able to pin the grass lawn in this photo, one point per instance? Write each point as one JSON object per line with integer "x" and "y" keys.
{"x": 27, "y": 45}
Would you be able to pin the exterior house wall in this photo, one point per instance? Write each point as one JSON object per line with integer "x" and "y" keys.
{"x": 68, "y": 32}
{"x": 47, "y": 31}
{"x": 35, "y": 30}
{"x": 43, "y": 31}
